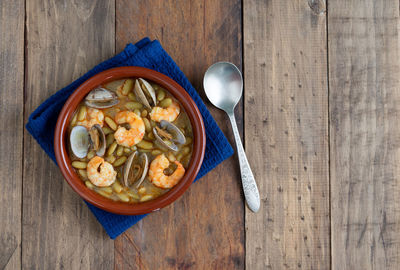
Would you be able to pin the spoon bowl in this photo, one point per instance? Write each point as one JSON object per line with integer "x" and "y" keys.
{"x": 223, "y": 85}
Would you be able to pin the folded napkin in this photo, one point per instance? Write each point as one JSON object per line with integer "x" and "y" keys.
{"x": 145, "y": 53}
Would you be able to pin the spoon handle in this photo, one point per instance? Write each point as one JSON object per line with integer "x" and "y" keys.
{"x": 249, "y": 183}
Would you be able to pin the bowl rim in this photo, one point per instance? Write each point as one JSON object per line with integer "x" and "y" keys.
{"x": 64, "y": 163}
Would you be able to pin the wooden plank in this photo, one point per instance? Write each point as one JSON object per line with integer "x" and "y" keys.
{"x": 286, "y": 132}
{"x": 64, "y": 40}
{"x": 204, "y": 229}
{"x": 11, "y": 130}
{"x": 364, "y": 113}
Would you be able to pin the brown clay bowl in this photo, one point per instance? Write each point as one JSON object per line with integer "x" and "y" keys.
{"x": 64, "y": 162}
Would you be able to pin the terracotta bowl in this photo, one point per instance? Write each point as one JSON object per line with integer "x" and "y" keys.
{"x": 64, "y": 162}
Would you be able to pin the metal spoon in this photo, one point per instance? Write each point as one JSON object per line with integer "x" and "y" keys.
{"x": 223, "y": 84}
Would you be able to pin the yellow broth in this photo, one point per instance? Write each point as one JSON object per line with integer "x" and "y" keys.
{"x": 146, "y": 191}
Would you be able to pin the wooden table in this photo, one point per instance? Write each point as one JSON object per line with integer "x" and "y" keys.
{"x": 319, "y": 119}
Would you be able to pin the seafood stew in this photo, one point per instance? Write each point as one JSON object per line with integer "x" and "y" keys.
{"x": 130, "y": 140}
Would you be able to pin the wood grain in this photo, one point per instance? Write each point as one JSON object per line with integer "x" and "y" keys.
{"x": 11, "y": 130}
{"x": 286, "y": 133}
{"x": 203, "y": 229}
{"x": 364, "y": 113}
{"x": 64, "y": 40}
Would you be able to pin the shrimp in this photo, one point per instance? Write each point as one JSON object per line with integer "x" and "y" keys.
{"x": 157, "y": 176}
{"x": 100, "y": 172}
{"x": 169, "y": 114}
{"x": 133, "y": 135}
{"x": 93, "y": 117}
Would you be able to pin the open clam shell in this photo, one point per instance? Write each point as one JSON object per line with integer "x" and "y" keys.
{"x": 82, "y": 140}
{"x": 145, "y": 93}
{"x": 79, "y": 140}
{"x": 135, "y": 169}
{"x": 177, "y": 135}
{"x": 98, "y": 140}
{"x": 101, "y": 98}
{"x": 168, "y": 135}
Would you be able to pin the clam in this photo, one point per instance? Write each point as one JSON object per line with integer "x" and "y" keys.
{"x": 98, "y": 140}
{"x": 168, "y": 134}
{"x": 82, "y": 140}
{"x": 145, "y": 93}
{"x": 135, "y": 169}
{"x": 79, "y": 140}
{"x": 101, "y": 98}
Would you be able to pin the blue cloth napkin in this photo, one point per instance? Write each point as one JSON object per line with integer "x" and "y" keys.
{"x": 145, "y": 53}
